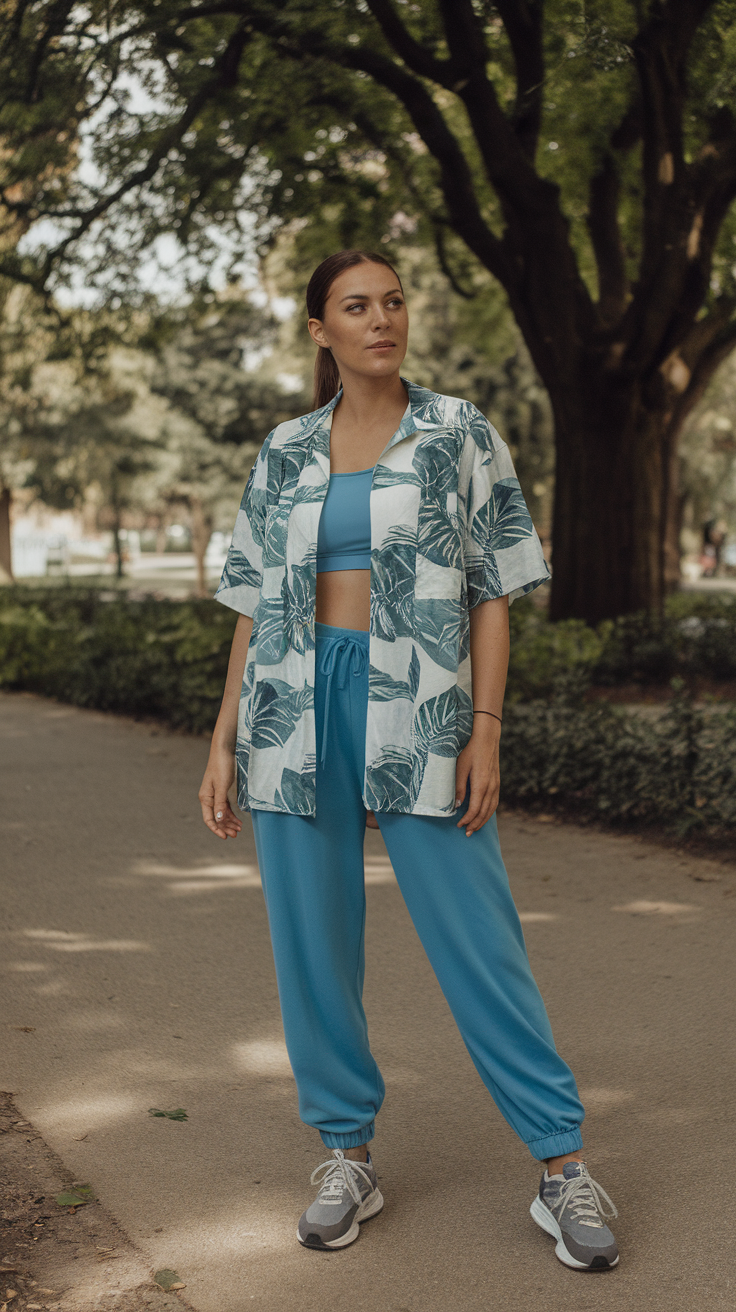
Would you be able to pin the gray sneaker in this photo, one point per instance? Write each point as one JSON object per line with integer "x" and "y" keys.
{"x": 348, "y": 1194}
{"x": 570, "y": 1208}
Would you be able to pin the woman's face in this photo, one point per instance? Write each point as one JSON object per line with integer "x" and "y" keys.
{"x": 365, "y": 322}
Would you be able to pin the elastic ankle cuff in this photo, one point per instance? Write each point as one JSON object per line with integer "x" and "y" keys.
{"x": 355, "y": 1139}
{"x": 556, "y": 1145}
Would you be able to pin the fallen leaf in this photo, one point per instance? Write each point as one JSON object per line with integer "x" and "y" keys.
{"x": 79, "y": 1138}
{"x": 25, "y": 1029}
{"x": 77, "y": 1196}
{"x": 178, "y": 1284}
{"x": 178, "y": 1114}
{"x": 166, "y": 1278}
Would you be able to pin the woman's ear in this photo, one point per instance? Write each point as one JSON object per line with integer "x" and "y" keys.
{"x": 317, "y": 333}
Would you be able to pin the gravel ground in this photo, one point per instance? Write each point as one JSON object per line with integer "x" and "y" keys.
{"x": 63, "y": 1259}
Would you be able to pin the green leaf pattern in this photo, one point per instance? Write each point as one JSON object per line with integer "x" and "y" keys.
{"x": 449, "y": 529}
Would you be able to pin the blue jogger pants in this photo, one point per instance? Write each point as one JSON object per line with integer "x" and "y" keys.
{"x": 457, "y": 893}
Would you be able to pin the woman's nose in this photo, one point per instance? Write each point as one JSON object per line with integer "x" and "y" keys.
{"x": 380, "y": 318}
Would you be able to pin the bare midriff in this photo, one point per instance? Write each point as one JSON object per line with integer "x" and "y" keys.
{"x": 344, "y": 598}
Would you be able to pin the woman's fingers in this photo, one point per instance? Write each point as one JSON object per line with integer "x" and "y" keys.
{"x": 226, "y": 819}
{"x": 483, "y": 802}
{"x": 216, "y": 810}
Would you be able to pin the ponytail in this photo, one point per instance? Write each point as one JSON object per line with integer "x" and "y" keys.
{"x": 326, "y": 373}
{"x": 326, "y": 378}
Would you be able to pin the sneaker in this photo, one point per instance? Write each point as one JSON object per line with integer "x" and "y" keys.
{"x": 348, "y": 1194}
{"x": 570, "y": 1207}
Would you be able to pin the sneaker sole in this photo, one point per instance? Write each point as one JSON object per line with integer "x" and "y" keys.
{"x": 371, "y": 1207}
{"x": 546, "y": 1221}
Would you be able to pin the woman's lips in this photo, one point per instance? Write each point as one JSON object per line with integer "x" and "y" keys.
{"x": 382, "y": 346}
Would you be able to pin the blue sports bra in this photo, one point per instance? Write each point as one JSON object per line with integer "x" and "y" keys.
{"x": 344, "y": 536}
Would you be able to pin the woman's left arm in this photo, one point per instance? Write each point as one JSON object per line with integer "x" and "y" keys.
{"x": 489, "y": 659}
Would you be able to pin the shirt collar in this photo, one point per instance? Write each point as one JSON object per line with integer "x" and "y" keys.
{"x": 416, "y": 415}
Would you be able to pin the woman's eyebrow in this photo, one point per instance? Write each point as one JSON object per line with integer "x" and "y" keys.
{"x": 361, "y": 296}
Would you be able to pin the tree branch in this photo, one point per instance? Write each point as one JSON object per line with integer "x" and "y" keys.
{"x": 225, "y": 74}
{"x": 438, "y": 228}
{"x": 522, "y": 20}
{"x": 443, "y": 71}
{"x": 661, "y": 49}
{"x": 455, "y": 174}
{"x": 721, "y": 340}
{"x": 606, "y": 238}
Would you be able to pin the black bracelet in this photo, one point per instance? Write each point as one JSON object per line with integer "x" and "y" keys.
{"x": 496, "y": 717}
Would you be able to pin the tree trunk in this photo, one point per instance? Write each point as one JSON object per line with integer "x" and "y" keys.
{"x": 615, "y": 476}
{"x": 6, "y": 554}
{"x": 117, "y": 513}
{"x": 202, "y": 523}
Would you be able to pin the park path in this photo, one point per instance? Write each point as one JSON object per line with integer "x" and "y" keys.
{"x": 135, "y": 950}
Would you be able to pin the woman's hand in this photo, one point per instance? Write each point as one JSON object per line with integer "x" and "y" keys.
{"x": 220, "y": 773}
{"x": 218, "y": 780}
{"x": 479, "y": 761}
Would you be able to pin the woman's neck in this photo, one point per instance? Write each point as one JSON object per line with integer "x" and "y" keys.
{"x": 370, "y": 402}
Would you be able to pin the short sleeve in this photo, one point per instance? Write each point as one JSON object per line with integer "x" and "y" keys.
{"x": 240, "y": 585}
{"x": 503, "y": 554}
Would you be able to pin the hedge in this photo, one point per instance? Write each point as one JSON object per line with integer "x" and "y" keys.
{"x": 167, "y": 660}
{"x": 146, "y": 658}
{"x": 675, "y": 770}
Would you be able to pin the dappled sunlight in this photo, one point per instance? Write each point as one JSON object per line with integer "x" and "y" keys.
{"x": 378, "y": 871}
{"x": 187, "y": 880}
{"x": 600, "y": 1099}
{"x": 27, "y": 967}
{"x": 235, "y": 1232}
{"x": 644, "y": 908}
{"x": 265, "y": 1057}
{"x": 62, "y": 941}
{"x": 81, "y": 1113}
{"x": 537, "y": 917}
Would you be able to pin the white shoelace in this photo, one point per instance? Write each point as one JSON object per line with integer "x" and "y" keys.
{"x": 337, "y": 1176}
{"x": 584, "y": 1198}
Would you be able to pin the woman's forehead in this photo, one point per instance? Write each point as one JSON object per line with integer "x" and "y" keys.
{"x": 364, "y": 281}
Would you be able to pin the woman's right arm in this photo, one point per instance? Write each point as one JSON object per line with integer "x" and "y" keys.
{"x": 219, "y": 775}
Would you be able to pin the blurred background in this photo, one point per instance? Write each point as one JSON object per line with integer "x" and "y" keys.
{"x": 556, "y": 186}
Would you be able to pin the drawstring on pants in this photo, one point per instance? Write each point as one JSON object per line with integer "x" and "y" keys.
{"x": 354, "y": 658}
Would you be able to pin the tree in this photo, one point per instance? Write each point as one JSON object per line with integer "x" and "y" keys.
{"x": 585, "y": 158}
{"x": 217, "y": 411}
{"x": 169, "y": 418}
{"x": 51, "y": 81}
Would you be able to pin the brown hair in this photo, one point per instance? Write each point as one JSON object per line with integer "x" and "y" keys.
{"x": 326, "y": 373}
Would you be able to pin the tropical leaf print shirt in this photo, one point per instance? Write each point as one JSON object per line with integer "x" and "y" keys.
{"x": 449, "y": 529}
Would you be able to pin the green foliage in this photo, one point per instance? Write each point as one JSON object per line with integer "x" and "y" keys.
{"x": 677, "y": 770}
{"x": 163, "y": 659}
{"x": 694, "y": 640}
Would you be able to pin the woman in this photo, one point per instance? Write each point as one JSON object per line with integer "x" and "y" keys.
{"x": 379, "y": 542}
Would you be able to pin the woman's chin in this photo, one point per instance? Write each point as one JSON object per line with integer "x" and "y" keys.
{"x": 379, "y": 364}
